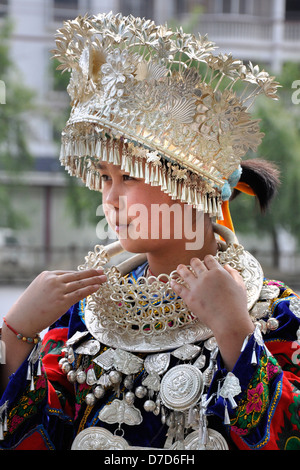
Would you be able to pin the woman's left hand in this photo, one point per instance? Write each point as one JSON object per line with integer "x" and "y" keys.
{"x": 217, "y": 296}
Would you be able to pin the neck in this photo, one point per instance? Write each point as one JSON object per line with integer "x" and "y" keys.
{"x": 166, "y": 259}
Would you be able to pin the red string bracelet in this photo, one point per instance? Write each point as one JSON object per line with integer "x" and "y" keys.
{"x": 28, "y": 339}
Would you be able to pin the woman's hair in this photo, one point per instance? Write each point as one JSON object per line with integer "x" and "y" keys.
{"x": 263, "y": 178}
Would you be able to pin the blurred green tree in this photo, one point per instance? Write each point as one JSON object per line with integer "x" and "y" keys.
{"x": 14, "y": 153}
{"x": 280, "y": 121}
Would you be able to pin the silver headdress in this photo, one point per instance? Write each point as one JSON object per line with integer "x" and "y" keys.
{"x": 159, "y": 103}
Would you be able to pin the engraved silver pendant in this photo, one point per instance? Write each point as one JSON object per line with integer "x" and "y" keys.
{"x": 94, "y": 438}
{"x": 215, "y": 441}
{"x": 230, "y": 388}
{"x": 105, "y": 359}
{"x": 211, "y": 344}
{"x": 119, "y": 411}
{"x": 126, "y": 362}
{"x": 89, "y": 347}
{"x": 269, "y": 292}
{"x": 152, "y": 382}
{"x": 76, "y": 337}
{"x": 295, "y": 306}
{"x": 200, "y": 361}
{"x": 181, "y": 387}
{"x": 91, "y": 378}
{"x": 157, "y": 363}
{"x": 186, "y": 352}
{"x": 259, "y": 310}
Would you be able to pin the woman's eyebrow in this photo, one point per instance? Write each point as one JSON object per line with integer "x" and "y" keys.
{"x": 101, "y": 166}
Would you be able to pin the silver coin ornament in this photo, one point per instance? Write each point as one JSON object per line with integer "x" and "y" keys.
{"x": 181, "y": 387}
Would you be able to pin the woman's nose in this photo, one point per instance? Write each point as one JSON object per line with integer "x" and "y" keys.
{"x": 115, "y": 197}
{"x": 111, "y": 195}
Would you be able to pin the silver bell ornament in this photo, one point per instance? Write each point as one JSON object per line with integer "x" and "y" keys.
{"x": 99, "y": 391}
{"x": 71, "y": 376}
{"x": 272, "y": 324}
{"x": 90, "y": 399}
{"x": 129, "y": 398}
{"x": 81, "y": 377}
{"x": 149, "y": 405}
{"x": 141, "y": 391}
{"x": 115, "y": 377}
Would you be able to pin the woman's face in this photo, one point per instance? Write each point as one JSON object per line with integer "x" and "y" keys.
{"x": 144, "y": 218}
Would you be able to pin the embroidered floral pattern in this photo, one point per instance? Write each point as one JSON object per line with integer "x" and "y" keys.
{"x": 52, "y": 347}
{"x": 256, "y": 398}
{"x": 27, "y": 406}
{"x": 272, "y": 369}
{"x": 294, "y": 409}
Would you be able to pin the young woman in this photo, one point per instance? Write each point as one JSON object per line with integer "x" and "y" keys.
{"x": 185, "y": 346}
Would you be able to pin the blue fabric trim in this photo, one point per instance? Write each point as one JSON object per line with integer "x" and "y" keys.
{"x": 42, "y": 432}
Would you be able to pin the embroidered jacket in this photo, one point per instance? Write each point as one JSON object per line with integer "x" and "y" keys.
{"x": 267, "y": 415}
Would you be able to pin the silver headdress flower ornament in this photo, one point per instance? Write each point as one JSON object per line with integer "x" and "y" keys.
{"x": 159, "y": 103}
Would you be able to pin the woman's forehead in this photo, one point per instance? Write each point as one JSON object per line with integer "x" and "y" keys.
{"x": 105, "y": 166}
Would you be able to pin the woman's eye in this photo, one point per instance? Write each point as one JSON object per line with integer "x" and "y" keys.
{"x": 127, "y": 178}
{"x": 104, "y": 177}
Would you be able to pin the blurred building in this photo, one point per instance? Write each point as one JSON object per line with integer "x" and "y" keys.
{"x": 265, "y": 31}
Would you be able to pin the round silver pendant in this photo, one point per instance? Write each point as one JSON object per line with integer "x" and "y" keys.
{"x": 181, "y": 387}
{"x": 215, "y": 441}
{"x": 94, "y": 438}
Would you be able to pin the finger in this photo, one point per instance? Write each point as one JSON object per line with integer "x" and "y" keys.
{"x": 83, "y": 283}
{"x": 210, "y": 262}
{"x": 234, "y": 273}
{"x": 179, "y": 289}
{"x": 70, "y": 276}
{"x": 185, "y": 273}
{"x": 75, "y": 296}
{"x": 198, "y": 266}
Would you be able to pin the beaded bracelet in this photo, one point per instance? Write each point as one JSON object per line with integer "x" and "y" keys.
{"x": 28, "y": 339}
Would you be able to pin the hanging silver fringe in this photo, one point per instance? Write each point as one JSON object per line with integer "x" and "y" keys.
{"x": 34, "y": 359}
{"x": 3, "y": 419}
{"x": 79, "y": 156}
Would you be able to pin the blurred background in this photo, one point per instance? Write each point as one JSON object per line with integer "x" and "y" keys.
{"x": 48, "y": 220}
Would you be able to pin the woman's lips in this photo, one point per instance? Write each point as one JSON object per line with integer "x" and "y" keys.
{"x": 121, "y": 227}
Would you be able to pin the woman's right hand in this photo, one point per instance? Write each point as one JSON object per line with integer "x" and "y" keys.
{"x": 46, "y": 299}
{"x": 49, "y": 296}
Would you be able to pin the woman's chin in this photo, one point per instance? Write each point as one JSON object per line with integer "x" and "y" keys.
{"x": 134, "y": 246}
